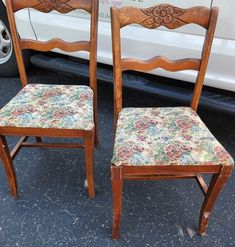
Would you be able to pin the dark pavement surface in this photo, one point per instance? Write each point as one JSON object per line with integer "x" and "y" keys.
{"x": 53, "y": 208}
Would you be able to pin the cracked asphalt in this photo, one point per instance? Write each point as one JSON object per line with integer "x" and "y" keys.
{"x": 53, "y": 208}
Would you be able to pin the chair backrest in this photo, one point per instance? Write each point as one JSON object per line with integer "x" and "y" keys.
{"x": 171, "y": 17}
{"x": 91, "y": 6}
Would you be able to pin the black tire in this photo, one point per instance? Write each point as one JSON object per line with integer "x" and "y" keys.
{"x": 8, "y": 64}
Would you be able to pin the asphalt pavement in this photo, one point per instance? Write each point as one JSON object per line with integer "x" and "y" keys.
{"x": 53, "y": 208}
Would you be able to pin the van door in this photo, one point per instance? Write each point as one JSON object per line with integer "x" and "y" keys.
{"x": 69, "y": 27}
{"x": 174, "y": 44}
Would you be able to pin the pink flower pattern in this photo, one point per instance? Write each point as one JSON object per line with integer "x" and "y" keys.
{"x": 125, "y": 152}
{"x": 165, "y": 136}
{"x": 50, "y": 106}
{"x": 163, "y": 15}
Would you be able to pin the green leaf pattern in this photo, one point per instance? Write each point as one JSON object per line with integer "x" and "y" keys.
{"x": 50, "y": 106}
{"x": 165, "y": 136}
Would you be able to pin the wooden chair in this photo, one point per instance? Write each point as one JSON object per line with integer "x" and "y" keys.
{"x": 164, "y": 142}
{"x": 42, "y": 110}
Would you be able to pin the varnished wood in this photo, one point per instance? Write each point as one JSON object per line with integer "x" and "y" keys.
{"x": 117, "y": 187}
{"x": 17, "y": 147}
{"x": 8, "y": 165}
{"x": 201, "y": 183}
{"x": 164, "y": 15}
{"x": 205, "y": 57}
{"x": 217, "y": 183}
{"x": 117, "y": 64}
{"x": 93, "y": 63}
{"x": 46, "y": 6}
{"x": 159, "y": 177}
{"x": 89, "y": 156}
{"x": 55, "y": 43}
{"x": 160, "y": 62}
{"x": 52, "y": 145}
{"x": 65, "y": 6}
{"x": 169, "y": 169}
{"x": 171, "y": 17}
{"x": 41, "y": 132}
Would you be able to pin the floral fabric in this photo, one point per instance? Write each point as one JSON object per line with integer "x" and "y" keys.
{"x": 165, "y": 136}
{"x": 50, "y": 106}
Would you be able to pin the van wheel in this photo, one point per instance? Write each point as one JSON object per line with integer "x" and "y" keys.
{"x": 8, "y": 64}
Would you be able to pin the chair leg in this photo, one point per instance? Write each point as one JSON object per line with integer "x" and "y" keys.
{"x": 8, "y": 165}
{"x": 218, "y": 180}
{"x": 89, "y": 155}
{"x": 117, "y": 186}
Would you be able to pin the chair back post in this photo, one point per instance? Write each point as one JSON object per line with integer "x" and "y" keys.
{"x": 117, "y": 62}
{"x": 16, "y": 43}
{"x": 93, "y": 49}
{"x": 205, "y": 57}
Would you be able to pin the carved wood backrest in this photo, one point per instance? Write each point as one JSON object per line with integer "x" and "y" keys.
{"x": 171, "y": 17}
{"x": 62, "y": 6}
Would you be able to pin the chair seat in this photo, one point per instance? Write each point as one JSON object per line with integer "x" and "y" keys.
{"x": 165, "y": 136}
{"x": 50, "y": 106}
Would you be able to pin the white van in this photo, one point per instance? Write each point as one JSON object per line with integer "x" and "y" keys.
{"x": 185, "y": 41}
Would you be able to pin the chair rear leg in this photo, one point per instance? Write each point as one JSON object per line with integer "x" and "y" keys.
{"x": 218, "y": 180}
{"x": 8, "y": 165}
{"x": 117, "y": 187}
{"x": 89, "y": 155}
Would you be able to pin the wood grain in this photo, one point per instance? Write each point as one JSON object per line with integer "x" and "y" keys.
{"x": 201, "y": 183}
{"x": 46, "y": 6}
{"x": 117, "y": 63}
{"x": 55, "y": 43}
{"x": 165, "y": 15}
{"x": 117, "y": 187}
{"x": 205, "y": 58}
{"x": 17, "y": 147}
{"x": 52, "y": 145}
{"x": 8, "y": 165}
{"x": 160, "y": 62}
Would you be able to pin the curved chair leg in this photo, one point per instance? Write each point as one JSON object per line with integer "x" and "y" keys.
{"x": 217, "y": 182}
{"x": 8, "y": 165}
{"x": 89, "y": 155}
{"x": 117, "y": 186}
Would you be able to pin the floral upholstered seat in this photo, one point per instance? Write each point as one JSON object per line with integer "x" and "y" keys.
{"x": 50, "y": 106}
{"x": 165, "y": 136}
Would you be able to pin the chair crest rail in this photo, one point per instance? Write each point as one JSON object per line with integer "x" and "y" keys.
{"x": 164, "y": 15}
{"x": 46, "y": 6}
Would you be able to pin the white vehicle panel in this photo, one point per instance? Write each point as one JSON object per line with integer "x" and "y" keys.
{"x": 23, "y": 24}
{"x": 226, "y": 24}
{"x": 75, "y": 25}
{"x": 68, "y": 28}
